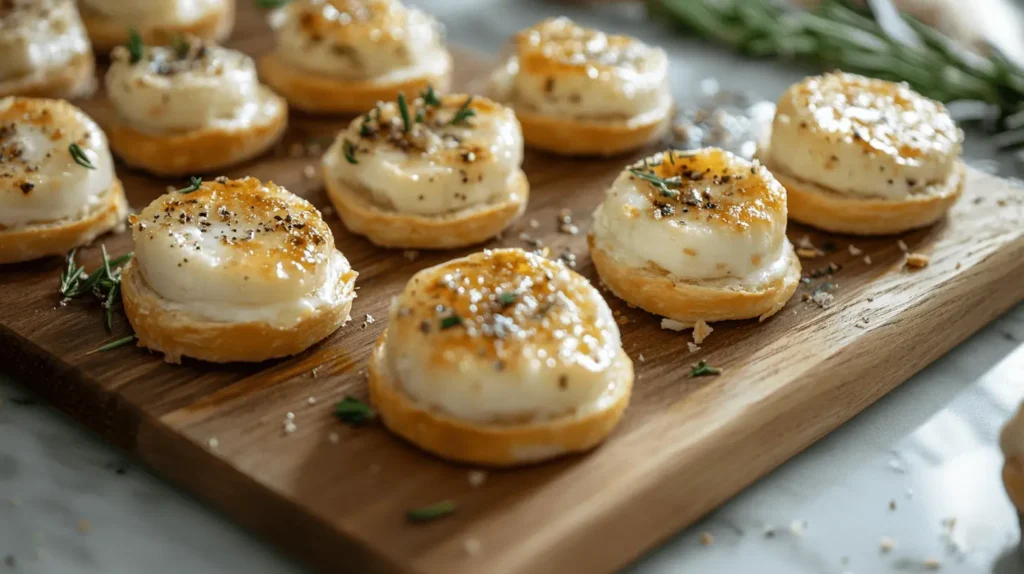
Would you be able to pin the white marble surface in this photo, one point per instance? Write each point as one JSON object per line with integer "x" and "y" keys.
{"x": 70, "y": 504}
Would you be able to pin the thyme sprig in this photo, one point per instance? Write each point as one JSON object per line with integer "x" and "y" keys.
{"x": 403, "y": 108}
{"x": 354, "y": 411}
{"x": 838, "y": 34}
{"x": 78, "y": 154}
{"x": 104, "y": 283}
{"x": 271, "y": 4}
{"x": 194, "y": 184}
{"x": 430, "y": 97}
{"x": 113, "y": 345}
{"x": 703, "y": 369}
{"x": 349, "y": 150}
{"x": 463, "y": 113}
{"x": 135, "y": 46}
{"x": 432, "y": 511}
{"x": 664, "y": 185}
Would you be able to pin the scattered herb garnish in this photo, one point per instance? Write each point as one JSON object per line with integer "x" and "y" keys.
{"x": 702, "y": 369}
{"x": 430, "y": 97}
{"x": 350, "y": 151}
{"x": 354, "y": 411}
{"x": 420, "y": 115}
{"x": 507, "y": 298}
{"x": 113, "y": 345}
{"x": 271, "y": 4}
{"x": 450, "y": 321}
{"x": 403, "y": 108}
{"x": 660, "y": 183}
{"x": 432, "y": 511}
{"x": 104, "y": 283}
{"x": 364, "y": 129}
{"x": 194, "y": 184}
{"x": 181, "y": 47}
{"x": 78, "y": 154}
{"x": 134, "y": 46}
{"x": 464, "y": 113}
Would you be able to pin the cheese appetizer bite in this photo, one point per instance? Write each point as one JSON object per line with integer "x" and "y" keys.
{"x": 434, "y": 173}
{"x": 234, "y": 270}
{"x": 190, "y": 107}
{"x": 343, "y": 56}
{"x": 156, "y": 21}
{"x": 44, "y": 51}
{"x": 57, "y": 184}
{"x": 696, "y": 235}
{"x": 500, "y": 358}
{"x": 579, "y": 91}
{"x": 864, "y": 156}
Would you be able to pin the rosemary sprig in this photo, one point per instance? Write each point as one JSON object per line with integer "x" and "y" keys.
{"x": 354, "y": 411}
{"x": 663, "y": 185}
{"x": 104, "y": 283}
{"x": 78, "y": 154}
{"x": 837, "y": 34}
{"x": 463, "y": 113}
{"x": 431, "y": 511}
{"x": 194, "y": 184}
{"x": 450, "y": 321}
{"x": 702, "y": 369}
{"x": 430, "y": 97}
{"x": 349, "y": 149}
{"x": 403, "y": 108}
{"x": 113, "y": 345}
{"x": 135, "y": 46}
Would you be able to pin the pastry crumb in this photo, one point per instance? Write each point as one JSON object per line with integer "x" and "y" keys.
{"x": 805, "y": 243}
{"x": 84, "y": 526}
{"x": 867, "y": 260}
{"x": 327, "y": 210}
{"x": 640, "y": 357}
{"x": 854, "y": 250}
{"x": 410, "y": 254}
{"x": 309, "y": 172}
{"x": 213, "y": 443}
{"x": 477, "y": 478}
{"x": 822, "y": 299}
{"x": 701, "y": 331}
{"x": 887, "y": 544}
{"x": 673, "y": 325}
{"x": 311, "y": 401}
{"x": 902, "y": 245}
{"x": 692, "y": 347}
{"x": 706, "y": 538}
{"x": 333, "y": 438}
{"x": 808, "y": 253}
{"x": 472, "y": 546}
{"x": 917, "y": 260}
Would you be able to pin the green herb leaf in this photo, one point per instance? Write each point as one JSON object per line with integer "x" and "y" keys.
{"x": 194, "y": 184}
{"x": 354, "y": 411}
{"x": 660, "y": 183}
{"x": 113, "y": 345}
{"x": 463, "y": 113}
{"x": 702, "y": 369}
{"x": 135, "y": 46}
{"x": 181, "y": 47}
{"x": 271, "y": 4}
{"x": 420, "y": 115}
{"x": 450, "y": 321}
{"x": 403, "y": 108}
{"x": 432, "y": 511}
{"x": 508, "y": 298}
{"x": 430, "y": 97}
{"x": 350, "y": 151}
{"x": 364, "y": 129}
{"x": 104, "y": 283}
{"x": 70, "y": 276}
{"x": 78, "y": 154}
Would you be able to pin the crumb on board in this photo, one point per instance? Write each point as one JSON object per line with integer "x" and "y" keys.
{"x": 854, "y": 250}
{"x": 808, "y": 253}
{"x": 797, "y": 527}
{"x": 333, "y": 438}
{"x": 472, "y": 546}
{"x": 822, "y": 299}
{"x": 932, "y": 564}
{"x": 902, "y": 245}
{"x": 84, "y": 526}
{"x": 693, "y": 348}
{"x": 213, "y": 443}
{"x": 309, "y": 172}
{"x": 805, "y": 243}
{"x": 311, "y": 401}
{"x": 640, "y": 357}
{"x": 887, "y": 544}
{"x": 701, "y": 331}
{"x": 673, "y": 325}
{"x": 534, "y": 224}
{"x": 867, "y": 260}
{"x": 917, "y": 260}
{"x": 411, "y": 254}
{"x": 477, "y": 478}
{"x": 892, "y": 505}
{"x": 706, "y": 539}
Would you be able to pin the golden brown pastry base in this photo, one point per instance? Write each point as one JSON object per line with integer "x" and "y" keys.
{"x": 106, "y": 33}
{"x": 75, "y": 80}
{"x": 317, "y": 93}
{"x": 29, "y": 242}
{"x": 1013, "y": 481}
{"x": 195, "y": 152}
{"x": 392, "y": 229}
{"x": 178, "y": 334}
{"x": 492, "y": 444}
{"x": 656, "y": 292}
{"x": 572, "y": 137}
{"x": 842, "y": 213}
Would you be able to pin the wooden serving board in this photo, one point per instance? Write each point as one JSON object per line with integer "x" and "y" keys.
{"x": 336, "y": 496}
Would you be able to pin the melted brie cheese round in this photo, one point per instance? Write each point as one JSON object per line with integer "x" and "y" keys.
{"x": 360, "y": 39}
{"x": 697, "y": 215}
{"x": 561, "y": 68}
{"x": 863, "y": 136}
{"x": 37, "y": 36}
{"x": 189, "y": 86}
{"x": 145, "y": 13}
{"x": 40, "y": 181}
{"x": 238, "y": 250}
{"x": 440, "y": 165}
{"x": 503, "y": 336}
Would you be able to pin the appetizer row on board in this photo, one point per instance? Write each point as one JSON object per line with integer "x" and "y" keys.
{"x": 241, "y": 270}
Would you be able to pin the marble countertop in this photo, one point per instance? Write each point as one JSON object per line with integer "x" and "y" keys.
{"x": 910, "y": 485}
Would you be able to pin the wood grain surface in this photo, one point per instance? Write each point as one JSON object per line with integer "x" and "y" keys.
{"x": 336, "y": 496}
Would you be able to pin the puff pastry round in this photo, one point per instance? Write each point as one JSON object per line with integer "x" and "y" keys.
{"x": 864, "y": 156}
{"x": 189, "y": 108}
{"x": 500, "y": 358}
{"x": 343, "y": 56}
{"x": 49, "y": 202}
{"x": 236, "y": 270}
{"x": 696, "y": 235}
{"x": 453, "y": 179}
{"x": 44, "y": 51}
{"x": 156, "y": 21}
{"x": 581, "y": 92}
